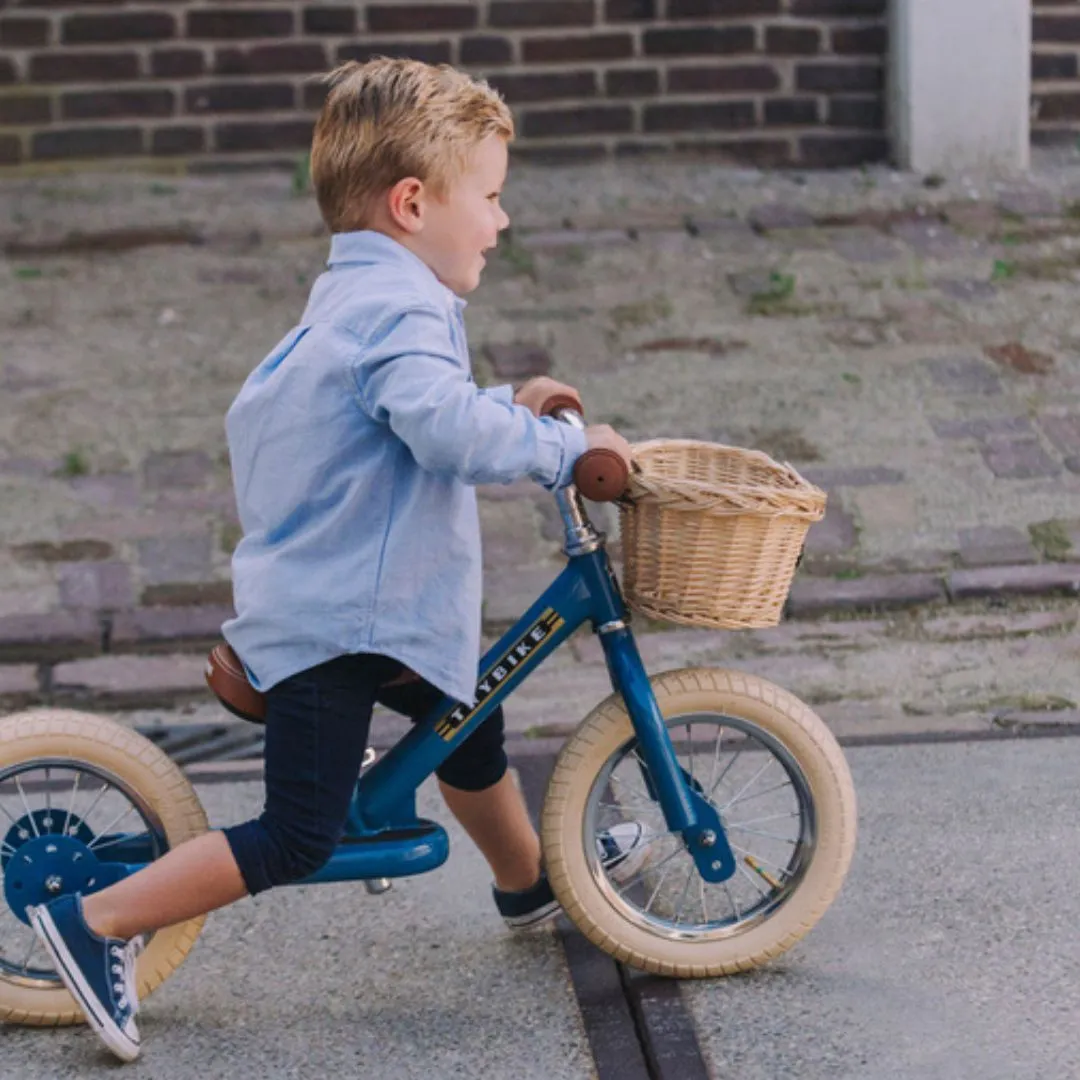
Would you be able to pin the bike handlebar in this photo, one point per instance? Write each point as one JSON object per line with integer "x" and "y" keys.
{"x": 600, "y": 474}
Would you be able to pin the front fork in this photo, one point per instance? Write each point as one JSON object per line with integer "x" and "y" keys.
{"x": 685, "y": 808}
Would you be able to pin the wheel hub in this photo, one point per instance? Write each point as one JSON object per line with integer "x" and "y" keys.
{"x": 47, "y": 854}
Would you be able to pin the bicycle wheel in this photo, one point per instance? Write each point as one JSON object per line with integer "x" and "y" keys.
{"x": 783, "y": 790}
{"x": 79, "y": 797}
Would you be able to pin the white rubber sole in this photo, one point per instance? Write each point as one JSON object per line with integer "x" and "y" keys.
{"x": 123, "y": 1046}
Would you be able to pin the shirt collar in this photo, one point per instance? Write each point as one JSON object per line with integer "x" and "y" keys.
{"x": 369, "y": 246}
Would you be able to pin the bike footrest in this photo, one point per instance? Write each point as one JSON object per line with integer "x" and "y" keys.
{"x": 386, "y": 853}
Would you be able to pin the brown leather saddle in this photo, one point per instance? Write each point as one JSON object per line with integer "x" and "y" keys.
{"x": 228, "y": 680}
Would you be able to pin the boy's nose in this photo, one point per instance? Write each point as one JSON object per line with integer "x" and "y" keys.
{"x": 504, "y": 220}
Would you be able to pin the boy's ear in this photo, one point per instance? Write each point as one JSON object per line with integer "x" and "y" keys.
{"x": 405, "y": 202}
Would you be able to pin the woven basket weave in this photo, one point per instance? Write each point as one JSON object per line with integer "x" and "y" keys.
{"x": 712, "y": 534}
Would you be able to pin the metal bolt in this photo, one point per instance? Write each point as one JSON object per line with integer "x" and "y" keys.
{"x": 718, "y": 865}
{"x": 708, "y": 838}
{"x": 53, "y": 884}
{"x": 50, "y": 849}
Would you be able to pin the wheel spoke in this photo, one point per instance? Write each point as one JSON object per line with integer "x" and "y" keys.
{"x": 118, "y": 839}
{"x": 645, "y": 869}
{"x": 764, "y": 862}
{"x": 716, "y": 757}
{"x": 97, "y": 799}
{"x": 659, "y": 885}
{"x": 685, "y": 893}
{"x": 71, "y": 802}
{"x": 727, "y": 769}
{"x": 48, "y": 799}
{"x": 115, "y": 821}
{"x": 749, "y": 783}
{"x": 762, "y": 832}
{"x": 29, "y": 952}
{"x": 762, "y": 820}
{"x": 734, "y": 902}
{"x": 6, "y": 848}
{"x": 29, "y": 812}
{"x": 758, "y": 794}
{"x": 704, "y": 907}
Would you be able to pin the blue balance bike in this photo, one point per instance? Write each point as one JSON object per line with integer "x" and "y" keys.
{"x": 745, "y": 796}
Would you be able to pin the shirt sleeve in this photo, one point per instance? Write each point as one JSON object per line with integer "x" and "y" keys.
{"x": 410, "y": 377}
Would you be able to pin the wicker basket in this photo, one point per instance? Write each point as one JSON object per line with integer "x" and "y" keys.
{"x": 712, "y": 534}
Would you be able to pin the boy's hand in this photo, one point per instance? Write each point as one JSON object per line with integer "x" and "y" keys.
{"x": 536, "y": 391}
{"x": 600, "y": 436}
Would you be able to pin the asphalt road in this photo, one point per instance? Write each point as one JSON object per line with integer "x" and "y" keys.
{"x": 952, "y": 954}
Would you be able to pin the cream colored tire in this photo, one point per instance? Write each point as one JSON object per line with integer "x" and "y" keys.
{"x": 60, "y": 734}
{"x": 606, "y": 730}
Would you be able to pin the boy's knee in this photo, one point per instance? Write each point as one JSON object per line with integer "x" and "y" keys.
{"x": 269, "y": 853}
{"x": 293, "y": 855}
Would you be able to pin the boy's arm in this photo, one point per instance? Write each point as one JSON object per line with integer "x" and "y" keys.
{"x": 410, "y": 377}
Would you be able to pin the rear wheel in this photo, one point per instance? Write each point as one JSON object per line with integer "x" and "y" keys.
{"x": 782, "y": 788}
{"x": 80, "y": 798}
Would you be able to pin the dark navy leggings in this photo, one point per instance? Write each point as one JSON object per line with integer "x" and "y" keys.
{"x": 317, "y": 725}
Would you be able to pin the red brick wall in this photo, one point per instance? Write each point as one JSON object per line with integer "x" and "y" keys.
{"x": 1054, "y": 70}
{"x": 762, "y": 81}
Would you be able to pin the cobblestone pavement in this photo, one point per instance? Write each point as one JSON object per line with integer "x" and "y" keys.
{"x": 908, "y": 344}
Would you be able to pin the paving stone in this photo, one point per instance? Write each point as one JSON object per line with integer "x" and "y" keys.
{"x": 172, "y": 469}
{"x": 812, "y": 596}
{"x": 984, "y": 428}
{"x": 1019, "y": 459}
{"x": 122, "y": 527}
{"x": 725, "y": 233}
{"x": 56, "y": 634}
{"x": 912, "y": 561}
{"x": 520, "y": 360}
{"x": 150, "y": 627}
{"x": 930, "y": 238}
{"x": 96, "y": 586}
{"x": 834, "y": 534}
{"x": 888, "y": 509}
{"x": 1073, "y": 463}
{"x": 966, "y": 289}
{"x": 185, "y": 594}
{"x": 751, "y": 282}
{"x": 998, "y": 625}
{"x": 1054, "y": 719}
{"x": 964, "y": 375}
{"x": 829, "y": 477}
{"x": 508, "y": 593}
{"x": 990, "y": 545}
{"x": 1042, "y": 579}
{"x": 47, "y": 551}
{"x": 973, "y": 217}
{"x": 116, "y": 491}
{"x": 780, "y": 216}
{"x": 1030, "y": 203}
{"x": 865, "y": 246}
{"x": 130, "y": 680}
{"x": 1063, "y": 432}
{"x": 169, "y": 559}
{"x": 1020, "y": 358}
{"x": 18, "y": 684}
{"x": 564, "y": 238}
{"x": 31, "y": 468}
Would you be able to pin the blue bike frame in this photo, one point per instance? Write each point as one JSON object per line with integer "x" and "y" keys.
{"x": 383, "y": 836}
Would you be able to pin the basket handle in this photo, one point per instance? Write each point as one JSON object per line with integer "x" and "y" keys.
{"x": 600, "y": 474}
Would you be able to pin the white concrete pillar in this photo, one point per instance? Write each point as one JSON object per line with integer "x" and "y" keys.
{"x": 960, "y": 84}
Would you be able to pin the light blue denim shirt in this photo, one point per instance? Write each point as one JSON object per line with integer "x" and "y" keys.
{"x": 355, "y": 446}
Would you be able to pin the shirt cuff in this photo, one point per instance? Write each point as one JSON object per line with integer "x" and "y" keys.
{"x": 574, "y": 445}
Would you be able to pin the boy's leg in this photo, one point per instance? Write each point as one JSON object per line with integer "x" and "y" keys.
{"x": 316, "y": 732}
{"x": 498, "y": 823}
{"x": 479, "y": 791}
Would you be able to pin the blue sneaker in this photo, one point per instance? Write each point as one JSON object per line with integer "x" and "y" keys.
{"x": 99, "y": 972}
{"x": 623, "y": 849}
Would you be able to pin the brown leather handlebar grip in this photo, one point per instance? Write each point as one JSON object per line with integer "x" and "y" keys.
{"x": 562, "y": 401}
{"x": 601, "y": 474}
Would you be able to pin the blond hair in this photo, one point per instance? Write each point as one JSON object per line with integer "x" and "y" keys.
{"x": 388, "y": 119}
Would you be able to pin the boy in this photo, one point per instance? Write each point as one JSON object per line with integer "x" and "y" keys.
{"x": 354, "y": 447}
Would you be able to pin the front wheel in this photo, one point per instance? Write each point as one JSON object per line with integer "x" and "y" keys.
{"x": 783, "y": 790}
